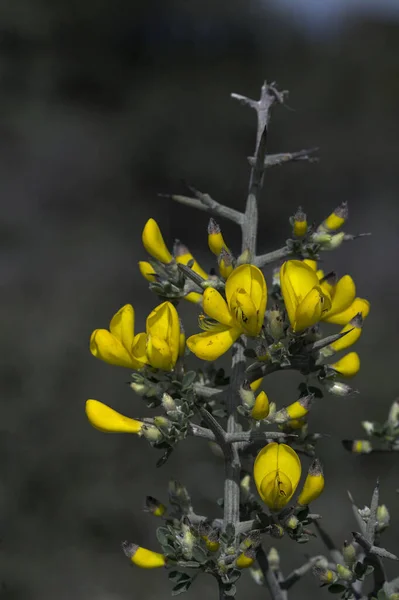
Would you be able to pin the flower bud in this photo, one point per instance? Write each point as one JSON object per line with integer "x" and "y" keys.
{"x": 349, "y": 553}
{"x": 168, "y": 403}
{"x": 276, "y": 277}
{"x": 257, "y": 576}
{"x": 292, "y": 522}
{"x": 178, "y": 493}
{"x": 314, "y": 484}
{"x": 210, "y": 537}
{"x": 273, "y": 558}
{"x": 246, "y": 394}
{"x": 368, "y": 427}
{"x": 344, "y": 573}
{"x": 299, "y": 223}
{"x": 383, "y": 517}
{"x": 357, "y": 446}
{"x": 146, "y": 559}
{"x": 246, "y": 559}
{"x": 348, "y": 365}
{"x": 153, "y": 506}
{"x": 225, "y": 262}
{"x": 187, "y": 541}
{"x": 336, "y": 219}
{"x": 215, "y": 238}
{"x": 256, "y": 384}
{"x": 335, "y": 241}
{"x": 183, "y": 256}
{"x": 337, "y": 388}
{"x": 275, "y": 531}
{"x": 245, "y": 484}
{"x": 393, "y": 416}
{"x": 296, "y": 410}
{"x": 321, "y": 237}
{"x": 275, "y": 323}
{"x": 244, "y": 259}
{"x": 139, "y": 388}
{"x": 147, "y": 271}
{"x": 162, "y": 423}
{"x": 152, "y": 433}
{"x": 325, "y": 575}
{"x": 260, "y": 409}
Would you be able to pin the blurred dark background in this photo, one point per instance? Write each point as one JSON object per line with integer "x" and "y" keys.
{"x": 103, "y": 105}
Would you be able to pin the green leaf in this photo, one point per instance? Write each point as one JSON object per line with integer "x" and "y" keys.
{"x": 163, "y": 535}
{"x": 188, "y": 379}
{"x": 169, "y": 550}
{"x": 181, "y": 587}
{"x": 199, "y": 554}
{"x": 178, "y": 576}
{"x": 336, "y": 588}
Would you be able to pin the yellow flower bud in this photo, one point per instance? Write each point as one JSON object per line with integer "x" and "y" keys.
{"x": 349, "y": 553}
{"x": 260, "y": 409}
{"x": 154, "y": 243}
{"x": 211, "y": 541}
{"x": 273, "y": 558}
{"x": 245, "y": 559}
{"x": 337, "y": 218}
{"x": 183, "y": 256}
{"x": 225, "y": 262}
{"x": 348, "y": 365}
{"x": 155, "y": 507}
{"x": 383, "y": 517}
{"x": 296, "y": 410}
{"x": 300, "y": 224}
{"x": 325, "y": 575}
{"x": 163, "y": 337}
{"x": 106, "y": 419}
{"x": 353, "y": 332}
{"x": 344, "y": 573}
{"x": 256, "y": 384}
{"x": 314, "y": 484}
{"x": 358, "y": 446}
{"x": 275, "y": 323}
{"x": 146, "y": 559}
{"x": 168, "y": 403}
{"x": 246, "y": 394}
{"x": 147, "y": 271}
{"x": 152, "y": 433}
{"x": 215, "y": 238}
{"x": 277, "y": 471}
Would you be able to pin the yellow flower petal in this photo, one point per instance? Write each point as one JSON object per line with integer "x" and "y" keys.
{"x": 250, "y": 279}
{"x": 343, "y": 294}
{"x": 154, "y": 243}
{"x": 147, "y": 271}
{"x": 185, "y": 258}
{"x": 244, "y": 312}
{"x": 359, "y": 305}
{"x": 139, "y": 348}
{"x": 311, "y": 309}
{"x": 141, "y": 557}
{"x": 209, "y": 345}
{"x": 159, "y": 353}
{"x": 256, "y": 384}
{"x": 108, "y": 348}
{"x": 122, "y": 326}
{"x": 348, "y": 365}
{"x": 310, "y": 263}
{"x": 354, "y": 333}
{"x": 277, "y": 471}
{"x": 297, "y": 279}
{"x": 216, "y": 307}
{"x": 194, "y": 297}
{"x": 261, "y": 407}
{"x": 314, "y": 484}
{"x": 163, "y": 323}
{"x": 106, "y": 419}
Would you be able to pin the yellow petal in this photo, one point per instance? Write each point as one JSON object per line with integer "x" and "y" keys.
{"x": 154, "y": 243}
{"x": 182, "y": 343}
{"x": 216, "y": 243}
{"x": 146, "y": 559}
{"x": 139, "y": 348}
{"x": 147, "y": 271}
{"x": 216, "y": 307}
{"x": 244, "y": 312}
{"x": 359, "y": 305}
{"x": 261, "y": 407}
{"x": 300, "y": 228}
{"x": 297, "y": 279}
{"x": 310, "y": 309}
{"x": 343, "y": 294}
{"x": 348, "y": 365}
{"x": 225, "y": 270}
{"x": 106, "y": 419}
{"x": 163, "y": 323}
{"x": 349, "y": 339}
{"x": 122, "y": 326}
{"x": 209, "y": 345}
{"x": 159, "y": 353}
{"x": 277, "y": 471}
{"x": 256, "y": 384}
{"x": 108, "y": 348}
{"x": 185, "y": 258}
{"x": 250, "y": 279}
{"x": 310, "y": 263}
{"x": 194, "y": 297}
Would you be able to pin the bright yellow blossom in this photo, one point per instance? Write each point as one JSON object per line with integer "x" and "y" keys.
{"x": 277, "y": 471}
{"x": 108, "y": 420}
{"x": 146, "y": 559}
{"x": 299, "y": 223}
{"x": 348, "y": 365}
{"x": 359, "y": 305}
{"x": 261, "y": 407}
{"x": 215, "y": 238}
{"x": 241, "y": 313}
{"x": 314, "y": 484}
{"x": 154, "y": 243}
{"x": 159, "y": 346}
{"x": 147, "y": 271}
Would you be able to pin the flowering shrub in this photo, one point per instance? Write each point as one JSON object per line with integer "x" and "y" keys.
{"x": 266, "y": 327}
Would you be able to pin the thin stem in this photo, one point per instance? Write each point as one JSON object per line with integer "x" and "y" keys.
{"x": 265, "y": 259}
{"x": 273, "y": 160}
{"x": 208, "y": 204}
{"x": 270, "y": 579}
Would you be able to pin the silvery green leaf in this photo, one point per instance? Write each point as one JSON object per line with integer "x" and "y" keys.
{"x": 163, "y": 535}
{"x": 199, "y": 554}
{"x": 188, "y": 379}
{"x": 181, "y": 587}
{"x": 234, "y": 575}
{"x": 336, "y": 588}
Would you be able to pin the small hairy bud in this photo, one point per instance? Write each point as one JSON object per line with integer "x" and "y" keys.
{"x": 246, "y": 394}
{"x": 151, "y": 433}
{"x": 383, "y": 517}
{"x": 344, "y": 573}
{"x": 349, "y": 553}
{"x": 168, "y": 403}
{"x": 274, "y": 559}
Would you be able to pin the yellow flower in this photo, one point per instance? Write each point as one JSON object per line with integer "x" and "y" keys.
{"x": 300, "y": 224}
{"x": 163, "y": 337}
{"x": 304, "y": 298}
{"x": 359, "y": 305}
{"x": 336, "y": 219}
{"x": 159, "y": 346}
{"x": 342, "y": 296}
{"x": 241, "y": 313}
{"x": 183, "y": 256}
{"x": 147, "y": 271}
{"x": 245, "y": 559}
{"x": 146, "y": 559}
{"x": 256, "y": 384}
{"x": 261, "y": 407}
{"x": 348, "y": 365}
{"x": 277, "y": 471}
{"x": 314, "y": 484}
{"x": 106, "y": 419}
{"x": 119, "y": 346}
{"x": 353, "y": 332}
{"x": 215, "y": 238}
{"x": 311, "y": 263}
{"x": 293, "y": 412}
{"x": 154, "y": 506}
{"x": 154, "y": 243}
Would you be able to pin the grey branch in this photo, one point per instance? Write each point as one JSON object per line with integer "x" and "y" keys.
{"x": 256, "y": 436}
{"x": 325, "y": 341}
{"x": 206, "y": 203}
{"x": 273, "y": 160}
{"x": 372, "y": 522}
{"x": 270, "y": 578}
{"x": 355, "y": 510}
{"x": 266, "y": 259}
{"x": 335, "y": 554}
{"x": 298, "y": 573}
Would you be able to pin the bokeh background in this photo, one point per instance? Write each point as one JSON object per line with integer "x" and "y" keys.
{"x": 104, "y": 105}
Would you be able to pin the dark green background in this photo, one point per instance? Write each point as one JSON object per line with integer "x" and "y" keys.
{"x": 103, "y": 105}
